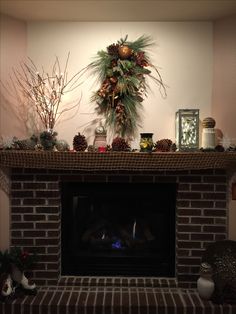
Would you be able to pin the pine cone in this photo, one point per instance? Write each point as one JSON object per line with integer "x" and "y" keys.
{"x": 120, "y": 114}
{"x": 120, "y": 144}
{"x": 79, "y": 142}
{"x": 113, "y": 49}
{"x": 163, "y": 145}
{"x": 219, "y": 148}
{"x": 140, "y": 59}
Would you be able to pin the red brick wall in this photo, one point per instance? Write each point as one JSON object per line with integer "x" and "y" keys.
{"x": 201, "y": 214}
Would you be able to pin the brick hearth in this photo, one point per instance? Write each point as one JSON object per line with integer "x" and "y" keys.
{"x": 107, "y": 300}
{"x": 201, "y": 214}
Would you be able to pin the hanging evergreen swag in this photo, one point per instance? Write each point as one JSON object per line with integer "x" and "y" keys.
{"x": 122, "y": 69}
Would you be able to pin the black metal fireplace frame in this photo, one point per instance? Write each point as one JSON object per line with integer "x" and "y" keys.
{"x": 161, "y": 265}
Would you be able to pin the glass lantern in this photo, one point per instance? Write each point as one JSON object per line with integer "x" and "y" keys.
{"x": 187, "y": 129}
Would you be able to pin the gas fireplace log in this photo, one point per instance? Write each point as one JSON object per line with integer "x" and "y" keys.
{"x": 128, "y": 239}
{"x": 147, "y": 232}
{"x": 99, "y": 225}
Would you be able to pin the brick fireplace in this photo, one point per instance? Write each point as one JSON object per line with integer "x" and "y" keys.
{"x": 201, "y": 213}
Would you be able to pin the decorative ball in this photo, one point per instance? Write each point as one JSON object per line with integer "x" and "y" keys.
{"x": 208, "y": 123}
{"x": 125, "y": 52}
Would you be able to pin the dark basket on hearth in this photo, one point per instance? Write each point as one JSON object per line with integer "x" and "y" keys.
{"x": 221, "y": 255}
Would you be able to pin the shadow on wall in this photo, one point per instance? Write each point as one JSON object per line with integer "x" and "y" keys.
{"x": 21, "y": 112}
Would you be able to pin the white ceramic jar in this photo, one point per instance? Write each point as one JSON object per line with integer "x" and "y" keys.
{"x": 208, "y": 138}
{"x": 205, "y": 283}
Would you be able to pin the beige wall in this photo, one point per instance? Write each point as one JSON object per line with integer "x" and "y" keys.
{"x": 183, "y": 53}
{"x": 224, "y": 76}
{"x": 224, "y": 92}
{"x": 12, "y": 50}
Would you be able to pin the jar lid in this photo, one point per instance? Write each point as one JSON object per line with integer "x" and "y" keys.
{"x": 146, "y": 134}
{"x": 205, "y": 268}
{"x": 208, "y": 122}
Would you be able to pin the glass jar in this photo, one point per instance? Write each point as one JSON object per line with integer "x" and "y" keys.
{"x": 146, "y": 142}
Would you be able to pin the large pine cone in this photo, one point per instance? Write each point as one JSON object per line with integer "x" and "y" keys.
{"x": 113, "y": 49}
{"x": 79, "y": 142}
{"x": 119, "y": 144}
{"x": 163, "y": 145}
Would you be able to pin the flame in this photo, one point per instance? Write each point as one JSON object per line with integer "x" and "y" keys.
{"x": 134, "y": 229}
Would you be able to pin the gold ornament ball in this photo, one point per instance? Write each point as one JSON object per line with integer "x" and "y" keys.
{"x": 208, "y": 123}
{"x": 124, "y": 52}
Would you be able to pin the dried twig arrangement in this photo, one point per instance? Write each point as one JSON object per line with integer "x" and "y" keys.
{"x": 44, "y": 91}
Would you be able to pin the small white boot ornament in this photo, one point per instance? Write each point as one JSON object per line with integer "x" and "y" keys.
{"x": 7, "y": 287}
{"x": 19, "y": 277}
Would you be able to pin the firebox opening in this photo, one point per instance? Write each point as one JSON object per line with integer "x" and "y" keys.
{"x": 118, "y": 229}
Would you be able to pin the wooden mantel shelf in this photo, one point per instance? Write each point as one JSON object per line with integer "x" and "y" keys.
{"x": 128, "y": 161}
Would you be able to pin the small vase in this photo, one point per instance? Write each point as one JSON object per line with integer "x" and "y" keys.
{"x": 205, "y": 284}
{"x": 146, "y": 142}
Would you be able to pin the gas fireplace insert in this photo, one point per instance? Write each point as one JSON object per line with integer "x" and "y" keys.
{"x": 123, "y": 229}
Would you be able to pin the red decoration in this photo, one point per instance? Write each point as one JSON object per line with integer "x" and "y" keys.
{"x": 101, "y": 149}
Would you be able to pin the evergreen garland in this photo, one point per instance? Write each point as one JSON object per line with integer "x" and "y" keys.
{"x": 121, "y": 69}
